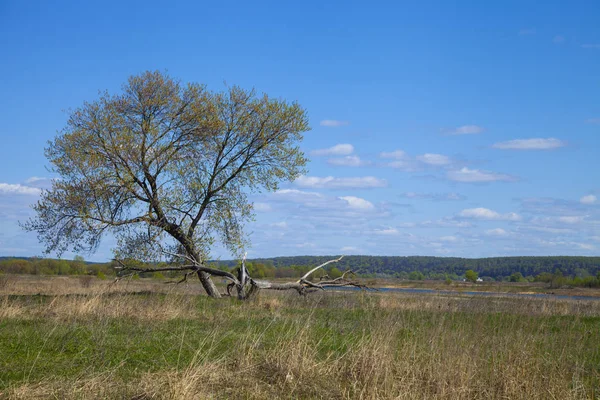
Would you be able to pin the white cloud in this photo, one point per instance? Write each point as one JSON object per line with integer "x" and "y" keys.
{"x": 433, "y": 196}
{"x": 571, "y": 219}
{"x": 279, "y": 225}
{"x": 589, "y": 199}
{"x": 334, "y": 123}
{"x": 593, "y": 120}
{"x": 434, "y": 159}
{"x": 453, "y": 196}
{"x": 530, "y": 144}
{"x": 446, "y": 223}
{"x": 330, "y": 182}
{"x": 8, "y": 188}
{"x": 487, "y": 214}
{"x": 397, "y": 154}
{"x": 405, "y": 165}
{"x": 386, "y": 232}
{"x": 337, "y": 150}
{"x": 35, "y": 179}
{"x": 350, "y": 249}
{"x": 262, "y": 207}
{"x": 466, "y": 130}
{"x": 357, "y": 203}
{"x": 297, "y": 196}
{"x": 548, "y": 229}
{"x": 585, "y": 246}
{"x": 348, "y": 161}
{"x": 304, "y": 245}
{"x": 474, "y": 176}
{"x": 499, "y": 232}
{"x": 591, "y": 46}
{"x": 296, "y": 192}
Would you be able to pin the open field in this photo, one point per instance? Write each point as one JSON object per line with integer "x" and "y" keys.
{"x": 499, "y": 287}
{"x": 140, "y": 339}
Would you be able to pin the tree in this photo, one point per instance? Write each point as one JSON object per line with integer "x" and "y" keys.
{"x": 334, "y": 272}
{"x": 471, "y": 275}
{"x": 166, "y": 168}
{"x": 416, "y": 276}
{"x": 516, "y": 277}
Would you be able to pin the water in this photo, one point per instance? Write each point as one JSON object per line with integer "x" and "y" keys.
{"x": 483, "y": 294}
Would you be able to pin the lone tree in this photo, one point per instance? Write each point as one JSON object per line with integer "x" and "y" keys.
{"x": 166, "y": 168}
{"x": 471, "y": 275}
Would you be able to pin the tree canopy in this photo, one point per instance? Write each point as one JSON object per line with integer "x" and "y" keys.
{"x": 166, "y": 168}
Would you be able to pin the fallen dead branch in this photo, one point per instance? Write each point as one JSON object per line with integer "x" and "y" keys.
{"x": 246, "y": 286}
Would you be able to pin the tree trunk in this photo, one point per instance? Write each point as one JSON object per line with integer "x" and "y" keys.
{"x": 208, "y": 285}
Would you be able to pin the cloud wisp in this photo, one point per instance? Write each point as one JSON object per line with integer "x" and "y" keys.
{"x": 333, "y": 123}
{"x": 18, "y": 189}
{"x": 434, "y": 159}
{"x": 348, "y": 161}
{"x": 357, "y": 203}
{"x": 482, "y": 213}
{"x": 497, "y": 232}
{"x": 342, "y": 149}
{"x": 589, "y": 199}
{"x": 466, "y": 130}
{"x": 433, "y": 196}
{"x": 466, "y": 175}
{"x": 530, "y": 144}
{"x": 402, "y": 161}
{"x": 330, "y": 182}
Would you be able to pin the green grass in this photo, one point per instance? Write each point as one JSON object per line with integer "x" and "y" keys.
{"x": 332, "y": 345}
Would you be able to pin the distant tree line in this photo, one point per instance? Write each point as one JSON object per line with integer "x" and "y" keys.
{"x": 556, "y": 271}
{"x": 574, "y": 270}
{"x": 49, "y": 266}
{"x": 78, "y": 266}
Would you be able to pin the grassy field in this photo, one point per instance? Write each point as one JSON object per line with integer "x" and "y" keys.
{"x": 67, "y": 338}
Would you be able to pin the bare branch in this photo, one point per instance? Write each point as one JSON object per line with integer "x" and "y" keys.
{"x": 304, "y": 286}
{"x": 320, "y": 266}
{"x": 125, "y": 267}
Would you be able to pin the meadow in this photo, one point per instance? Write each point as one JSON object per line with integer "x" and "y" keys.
{"x": 79, "y": 338}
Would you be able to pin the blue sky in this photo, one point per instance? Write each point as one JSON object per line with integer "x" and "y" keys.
{"x": 438, "y": 128}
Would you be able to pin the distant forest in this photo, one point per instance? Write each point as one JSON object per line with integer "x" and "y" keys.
{"x": 433, "y": 267}
{"x": 413, "y": 267}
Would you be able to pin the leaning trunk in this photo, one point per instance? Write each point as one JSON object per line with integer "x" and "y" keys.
{"x": 208, "y": 285}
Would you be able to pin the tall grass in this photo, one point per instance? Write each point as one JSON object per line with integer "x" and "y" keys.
{"x": 124, "y": 342}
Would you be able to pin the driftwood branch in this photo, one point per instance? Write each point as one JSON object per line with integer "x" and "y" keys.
{"x": 304, "y": 285}
{"x": 246, "y": 286}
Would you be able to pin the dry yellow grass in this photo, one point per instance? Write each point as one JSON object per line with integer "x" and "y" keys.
{"x": 329, "y": 346}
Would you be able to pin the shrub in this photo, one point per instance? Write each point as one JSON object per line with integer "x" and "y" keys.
{"x": 158, "y": 275}
{"x": 471, "y": 275}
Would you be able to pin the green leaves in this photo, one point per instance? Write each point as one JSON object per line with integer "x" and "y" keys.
{"x": 165, "y": 164}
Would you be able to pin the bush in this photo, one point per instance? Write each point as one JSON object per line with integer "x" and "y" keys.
{"x": 158, "y": 275}
{"x": 471, "y": 275}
